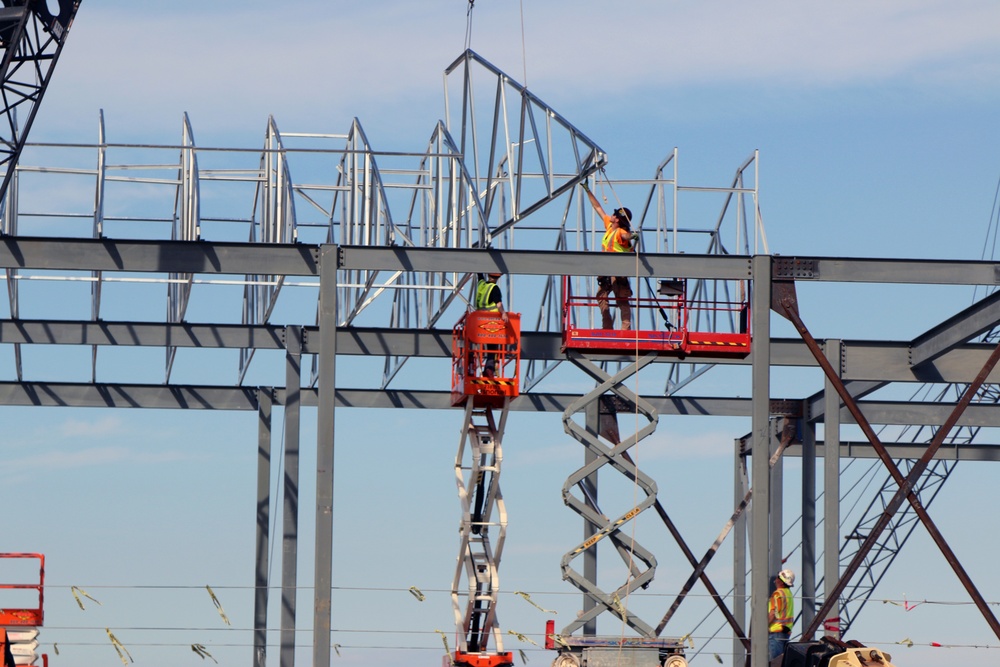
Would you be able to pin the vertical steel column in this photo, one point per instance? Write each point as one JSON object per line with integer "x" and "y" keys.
{"x": 739, "y": 555}
{"x": 290, "y": 517}
{"x": 264, "y": 404}
{"x": 327, "y": 366}
{"x": 593, "y": 424}
{"x": 760, "y": 577}
{"x": 831, "y": 483}
{"x": 808, "y": 566}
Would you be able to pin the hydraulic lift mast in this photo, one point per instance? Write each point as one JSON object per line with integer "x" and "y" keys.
{"x": 485, "y": 369}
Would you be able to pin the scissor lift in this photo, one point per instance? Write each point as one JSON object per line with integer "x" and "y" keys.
{"x": 482, "y": 340}
{"x": 22, "y": 622}
{"x": 677, "y": 335}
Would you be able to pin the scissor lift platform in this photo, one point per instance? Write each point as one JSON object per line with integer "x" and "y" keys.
{"x": 486, "y": 358}
{"x": 674, "y": 337}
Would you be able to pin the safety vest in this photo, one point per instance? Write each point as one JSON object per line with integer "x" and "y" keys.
{"x": 483, "y": 291}
{"x": 610, "y": 243}
{"x": 784, "y": 610}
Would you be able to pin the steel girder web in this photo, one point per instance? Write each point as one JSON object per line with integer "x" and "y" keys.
{"x": 186, "y": 227}
{"x": 632, "y": 553}
{"x": 273, "y": 222}
{"x": 443, "y": 211}
{"x": 483, "y": 172}
{"x": 523, "y": 147}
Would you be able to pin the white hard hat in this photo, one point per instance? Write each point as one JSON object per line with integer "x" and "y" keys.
{"x": 787, "y": 576}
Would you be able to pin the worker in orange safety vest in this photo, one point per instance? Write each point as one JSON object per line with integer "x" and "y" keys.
{"x": 618, "y": 237}
{"x": 780, "y": 614}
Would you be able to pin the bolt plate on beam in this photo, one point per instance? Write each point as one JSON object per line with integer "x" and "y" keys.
{"x": 792, "y": 267}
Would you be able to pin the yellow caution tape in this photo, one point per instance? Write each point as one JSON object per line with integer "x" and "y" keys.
{"x": 524, "y": 656}
{"x": 444, "y": 640}
{"x": 218, "y": 605}
{"x": 202, "y": 652}
{"x": 907, "y": 642}
{"x": 417, "y": 594}
{"x": 717, "y": 658}
{"x": 55, "y": 647}
{"x": 687, "y": 639}
{"x": 529, "y": 601}
{"x": 521, "y": 637}
{"x": 119, "y": 647}
{"x": 619, "y": 608}
{"x": 77, "y": 592}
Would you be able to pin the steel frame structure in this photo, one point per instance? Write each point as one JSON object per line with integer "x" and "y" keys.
{"x": 382, "y": 245}
{"x": 866, "y": 361}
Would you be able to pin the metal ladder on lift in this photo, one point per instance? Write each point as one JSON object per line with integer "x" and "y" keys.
{"x": 483, "y": 530}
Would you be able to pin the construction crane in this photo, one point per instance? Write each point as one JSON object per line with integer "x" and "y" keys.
{"x": 32, "y": 37}
{"x": 486, "y": 362}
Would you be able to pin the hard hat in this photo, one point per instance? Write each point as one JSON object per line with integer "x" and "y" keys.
{"x": 624, "y": 218}
{"x": 494, "y": 275}
{"x": 787, "y": 576}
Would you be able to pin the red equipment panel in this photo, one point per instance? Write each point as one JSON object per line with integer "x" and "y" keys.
{"x": 484, "y": 660}
{"x": 486, "y": 358}
{"x": 674, "y": 338}
{"x": 10, "y": 616}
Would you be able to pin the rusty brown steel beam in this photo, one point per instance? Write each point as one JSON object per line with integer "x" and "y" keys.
{"x": 783, "y": 302}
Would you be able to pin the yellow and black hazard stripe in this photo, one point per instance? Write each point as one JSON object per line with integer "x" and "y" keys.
{"x": 724, "y": 343}
{"x": 494, "y": 381}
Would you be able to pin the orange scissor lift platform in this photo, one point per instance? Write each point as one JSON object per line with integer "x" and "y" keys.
{"x": 486, "y": 358}
{"x": 21, "y": 621}
{"x": 674, "y": 338}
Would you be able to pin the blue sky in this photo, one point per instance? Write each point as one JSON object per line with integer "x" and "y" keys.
{"x": 877, "y": 130}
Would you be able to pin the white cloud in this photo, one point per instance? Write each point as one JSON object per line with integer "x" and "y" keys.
{"x": 231, "y": 67}
{"x": 92, "y": 456}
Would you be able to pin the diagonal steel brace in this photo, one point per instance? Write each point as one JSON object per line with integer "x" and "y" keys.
{"x": 783, "y": 302}
{"x": 788, "y": 432}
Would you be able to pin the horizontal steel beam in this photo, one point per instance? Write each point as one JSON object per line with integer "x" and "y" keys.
{"x": 204, "y": 257}
{"x": 897, "y": 271}
{"x": 64, "y": 254}
{"x": 245, "y": 398}
{"x": 886, "y": 361}
{"x": 545, "y": 263}
{"x": 905, "y": 450}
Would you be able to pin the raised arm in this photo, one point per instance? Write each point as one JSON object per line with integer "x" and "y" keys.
{"x": 593, "y": 200}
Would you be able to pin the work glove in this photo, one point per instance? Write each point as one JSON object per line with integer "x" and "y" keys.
{"x": 633, "y": 237}
{"x": 586, "y": 187}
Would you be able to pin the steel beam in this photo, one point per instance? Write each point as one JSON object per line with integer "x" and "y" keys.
{"x": 66, "y": 254}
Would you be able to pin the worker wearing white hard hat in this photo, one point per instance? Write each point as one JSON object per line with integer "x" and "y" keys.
{"x": 780, "y": 614}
